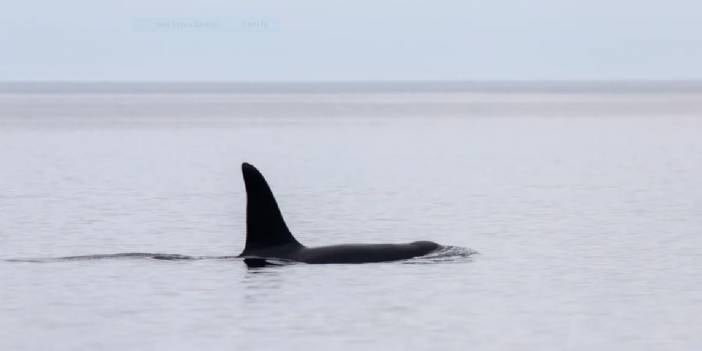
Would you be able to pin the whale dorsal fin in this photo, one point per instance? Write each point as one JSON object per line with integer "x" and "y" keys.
{"x": 265, "y": 226}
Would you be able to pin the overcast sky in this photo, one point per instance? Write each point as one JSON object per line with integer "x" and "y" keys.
{"x": 311, "y": 40}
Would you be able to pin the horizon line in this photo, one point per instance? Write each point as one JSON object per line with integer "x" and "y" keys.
{"x": 351, "y": 86}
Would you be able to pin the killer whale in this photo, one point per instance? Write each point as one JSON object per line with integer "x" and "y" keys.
{"x": 268, "y": 237}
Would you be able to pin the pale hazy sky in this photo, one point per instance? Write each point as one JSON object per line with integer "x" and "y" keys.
{"x": 251, "y": 40}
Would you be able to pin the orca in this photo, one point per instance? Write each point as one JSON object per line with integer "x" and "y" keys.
{"x": 268, "y": 237}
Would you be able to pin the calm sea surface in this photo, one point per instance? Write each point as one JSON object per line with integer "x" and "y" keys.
{"x": 585, "y": 208}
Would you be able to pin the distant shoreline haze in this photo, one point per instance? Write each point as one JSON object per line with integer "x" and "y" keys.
{"x": 84, "y": 87}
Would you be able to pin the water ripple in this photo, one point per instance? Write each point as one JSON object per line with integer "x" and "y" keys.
{"x": 453, "y": 254}
{"x": 445, "y": 254}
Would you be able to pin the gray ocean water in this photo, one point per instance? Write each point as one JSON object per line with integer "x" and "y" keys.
{"x": 585, "y": 209}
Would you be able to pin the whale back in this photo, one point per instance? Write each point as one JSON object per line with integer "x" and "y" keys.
{"x": 265, "y": 226}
